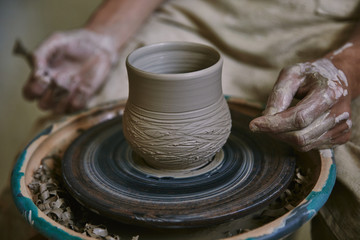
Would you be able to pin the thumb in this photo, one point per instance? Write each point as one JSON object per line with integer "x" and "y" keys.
{"x": 284, "y": 90}
{"x": 47, "y": 49}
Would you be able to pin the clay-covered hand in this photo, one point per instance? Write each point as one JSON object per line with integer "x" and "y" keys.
{"x": 68, "y": 68}
{"x": 321, "y": 119}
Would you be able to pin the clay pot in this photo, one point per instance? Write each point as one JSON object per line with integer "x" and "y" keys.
{"x": 176, "y": 116}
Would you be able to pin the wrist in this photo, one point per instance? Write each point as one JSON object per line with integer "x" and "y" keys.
{"x": 347, "y": 59}
{"x": 119, "y": 20}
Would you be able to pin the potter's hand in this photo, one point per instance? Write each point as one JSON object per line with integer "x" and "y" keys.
{"x": 321, "y": 119}
{"x": 68, "y": 68}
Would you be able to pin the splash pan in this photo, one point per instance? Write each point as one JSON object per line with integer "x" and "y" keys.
{"x": 245, "y": 177}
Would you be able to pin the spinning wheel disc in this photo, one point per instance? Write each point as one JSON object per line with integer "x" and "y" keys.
{"x": 101, "y": 172}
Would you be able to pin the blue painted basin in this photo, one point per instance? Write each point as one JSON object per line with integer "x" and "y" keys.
{"x": 57, "y": 137}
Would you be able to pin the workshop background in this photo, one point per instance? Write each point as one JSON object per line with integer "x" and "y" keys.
{"x": 31, "y": 21}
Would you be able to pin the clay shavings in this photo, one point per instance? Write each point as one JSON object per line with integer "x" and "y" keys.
{"x": 299, "y": 186}
{"x": 51, "y": 198}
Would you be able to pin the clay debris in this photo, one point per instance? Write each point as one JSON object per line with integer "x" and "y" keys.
{"x": 51, "y": 198}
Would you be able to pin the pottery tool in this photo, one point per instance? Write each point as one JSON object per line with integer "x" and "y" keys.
{"x": 102, "y": 173}
{"x": 58, "y": 90}
{"x": 20, "y": 50}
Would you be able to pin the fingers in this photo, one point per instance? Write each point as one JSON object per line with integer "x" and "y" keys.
{"x": 341, "y": 139}
{"x": 316, "y": 102}
{"x": 84, "y": 84}
{"x": 326, "y": 131}
{"x": 330, "y": 129}
{"x": 284, "y": 89}
{"x": 92, "y": 80}
{"x": 322, "y": 86}
{"x": 49, "y": 50}
{"x": 328, "y": 140}
{"x": 59, "y": 90}
{"x": 68, "y": 69}
{"x": 320, "y": 119}
{"x": 52, "y": 96}
{"x": 34, "y": 89}
{"x": 42, "y": 74}
{"x": 305, "y": 137}
{"x": 337, "y": 134}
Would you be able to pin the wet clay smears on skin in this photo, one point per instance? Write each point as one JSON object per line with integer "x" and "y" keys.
{"x": 105, "y": 43}
{"x": 335, "y": 78}
{"x": 341, "y": 117}
{"x": 322, "y": 71}
{"x": 308, "y": 123}
{"x": 46, "y": 73}
{"x": 349, "y": 123}
{"x": 341, "y": 49}
{"x": 326, "y": 153}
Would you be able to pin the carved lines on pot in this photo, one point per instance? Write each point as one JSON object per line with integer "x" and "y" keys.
{"x": 187, "y": 138}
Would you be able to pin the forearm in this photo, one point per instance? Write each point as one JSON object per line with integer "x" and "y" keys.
{"x": 120, "y": 19}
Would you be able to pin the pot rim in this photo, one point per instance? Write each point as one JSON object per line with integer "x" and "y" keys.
{"x": 180, "y": 45}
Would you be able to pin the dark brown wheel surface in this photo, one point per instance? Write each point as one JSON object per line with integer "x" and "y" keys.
{"x": 102, "y": 173}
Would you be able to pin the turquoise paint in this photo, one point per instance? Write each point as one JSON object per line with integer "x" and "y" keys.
{"x": 318, "y": 199}
{"x": 26, "y": 205}
{"x": 16, "y": 174}
{"x": 303, "y": 213}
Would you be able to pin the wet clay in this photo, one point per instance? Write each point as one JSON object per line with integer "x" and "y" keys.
{"x": 341, "y": 49}
{"x": 308, "y": 123}
{"x": 335, "y": 78}
{"x": 176, "y": 117}
{"x": 46, "y": 72}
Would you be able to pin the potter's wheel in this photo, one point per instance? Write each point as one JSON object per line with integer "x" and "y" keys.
{"x": 101, "y": 171}
{"x": 307, "y": 197}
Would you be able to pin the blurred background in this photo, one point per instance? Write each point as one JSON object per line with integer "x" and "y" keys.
{"x": 31, "y": 21}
